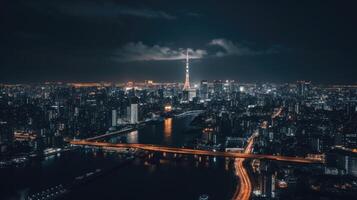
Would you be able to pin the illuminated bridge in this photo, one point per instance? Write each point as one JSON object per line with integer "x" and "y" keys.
{"x": 191, "y": 112}
{"x": 175, "y": 150}
{"x": 125, "y": 130}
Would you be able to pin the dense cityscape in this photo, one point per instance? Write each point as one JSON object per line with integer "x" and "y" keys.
{"x": 178, "y": 100}
{"x": 314, "y": 122}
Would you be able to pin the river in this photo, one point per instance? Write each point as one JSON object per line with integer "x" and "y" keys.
{"x": 181, "y": 179}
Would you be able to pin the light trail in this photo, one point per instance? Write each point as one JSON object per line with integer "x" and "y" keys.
{"x": 277, "y": 113}
{"x": 244, "y": 189}
{"x": 157, "y": 148}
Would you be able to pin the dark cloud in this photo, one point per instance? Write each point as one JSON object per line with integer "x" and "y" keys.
{"x": 99, "y": 39}
{"x": 231, "y": 48}
{"x": 141, "y": 52}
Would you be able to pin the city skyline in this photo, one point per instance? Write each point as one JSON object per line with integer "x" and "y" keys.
{"x": 272, "y": 141}
{"x": 179, "y": 100}
{"x": 84, "y": 41}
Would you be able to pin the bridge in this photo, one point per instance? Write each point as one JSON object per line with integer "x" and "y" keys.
{"x": 96, "y": 138}
{"x": 244, "y": 189}
{"x": 191, "y": 112}
{"x": 188, "y": 151}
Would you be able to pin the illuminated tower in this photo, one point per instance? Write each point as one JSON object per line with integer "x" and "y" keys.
{"x": 187, "y": 80}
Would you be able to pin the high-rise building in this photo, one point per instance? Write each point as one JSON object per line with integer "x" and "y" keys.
{"x": 228, "y": 86}
{"x": 114, "y": 118}
{"x": 204, "y": 89}
{"x": 303, "y": 88}
{"x": 6, "y": 137}
{"x": 350, "y": 134}
{"x": 218, "y": 87}
{"x": 297, "y": 108}
{"x": 134, "y": 117}
{"x": 344, "y": 161}
{"x": 133, "y": 110}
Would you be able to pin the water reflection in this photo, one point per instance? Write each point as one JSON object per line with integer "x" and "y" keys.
{"x": 167, "y": 130}
{"x": 132, "y": 137}
{"x": 150, "y": 174}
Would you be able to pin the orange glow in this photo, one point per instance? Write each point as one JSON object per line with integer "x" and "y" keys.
{"x": 24, "y": 136}
{"x": 78, "y": 85}
{"x": 244, "y": 191}
{"x": 130, "y": 84}
{"x": 316, "y": 156}
{"x": 264, "y": 125}
{"x": 277, "y": 113}
{"x": 188, "y": 151}
{"x": 168, "y": 108}
{"x": 282, "y": 184}
{"x": 207, "y": 130}
{"x": 167, "y": 128}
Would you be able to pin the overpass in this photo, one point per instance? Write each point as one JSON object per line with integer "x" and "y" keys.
{"x": 188, "y": 151}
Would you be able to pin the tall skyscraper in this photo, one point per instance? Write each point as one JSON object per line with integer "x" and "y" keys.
{"x": 218, "y": 87}
{"x": 114, "y": 118}
{"x": 134, "y": 113}
{"x": 204, "y": 89}
{"x": 133, "y": 110}
{"x": 303, "y": 88}
{"x": 187, "y": 80}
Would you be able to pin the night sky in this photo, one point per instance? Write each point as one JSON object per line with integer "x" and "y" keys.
{"x": 107, "y": 40}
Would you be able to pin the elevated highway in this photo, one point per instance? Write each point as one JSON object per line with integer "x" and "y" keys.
{"x": 176, "y": 150}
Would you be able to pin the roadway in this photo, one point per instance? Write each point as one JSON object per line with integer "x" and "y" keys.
{"x": 244, "y": 189}
{"x": 176, "y": 150}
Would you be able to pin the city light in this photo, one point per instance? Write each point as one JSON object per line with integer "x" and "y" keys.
{"x": 168, "y": 108}
{"x": 180, "y": 100}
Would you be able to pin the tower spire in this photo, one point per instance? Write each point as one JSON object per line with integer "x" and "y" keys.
{"x": 187, "y": 80}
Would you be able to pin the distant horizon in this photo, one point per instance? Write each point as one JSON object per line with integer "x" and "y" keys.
{"x": 169, "y": 82}
{"x": 168, "y": 99}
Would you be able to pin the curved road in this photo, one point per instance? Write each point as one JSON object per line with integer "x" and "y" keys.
{"x": 245, "y": 187}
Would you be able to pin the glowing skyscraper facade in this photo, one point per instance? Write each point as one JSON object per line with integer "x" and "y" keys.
{"x": 187, "y": 79}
